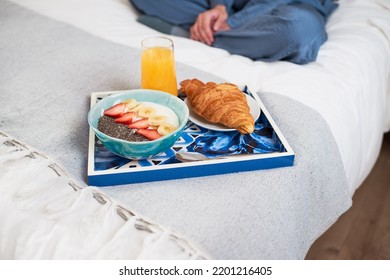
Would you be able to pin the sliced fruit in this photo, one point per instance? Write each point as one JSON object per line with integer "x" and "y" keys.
{"x": 116, "y": 110}
{"x": 135, "y": 108}
{"x": 151, "y": 134}
{"x": 157, "y": 120}
{"x": 166, "y": 128}
{"x": 142, "y": 123}
{"x": 126, "y": 118}
{"x": 130, "y": 103}
{"x": 146, "y": 112}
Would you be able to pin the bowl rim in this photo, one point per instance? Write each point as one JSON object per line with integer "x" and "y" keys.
{"x": 123, "y": 92}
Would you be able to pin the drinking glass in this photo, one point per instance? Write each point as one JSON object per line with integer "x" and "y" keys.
{"x": 158, "y": 69}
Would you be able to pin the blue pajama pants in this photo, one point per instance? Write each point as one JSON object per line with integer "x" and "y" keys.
{"x": 291, "y": 32}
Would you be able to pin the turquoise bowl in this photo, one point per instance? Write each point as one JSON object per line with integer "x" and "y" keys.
{"x": 139, "y": 150}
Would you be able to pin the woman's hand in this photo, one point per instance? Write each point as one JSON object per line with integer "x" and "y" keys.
{"x": 209, "y": 22}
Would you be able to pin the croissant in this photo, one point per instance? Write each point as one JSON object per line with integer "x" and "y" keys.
{"x": 219, "y": 103}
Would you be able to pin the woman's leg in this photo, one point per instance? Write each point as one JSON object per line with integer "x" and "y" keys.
{"x": 290, "y": 32}
{"x": 175, "y": 12}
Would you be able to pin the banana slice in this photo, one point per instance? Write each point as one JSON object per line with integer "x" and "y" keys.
{"x": 146, "y": 112}
{"x": 131, "y": 103}
{"x": 165, "y": 129}
{"x": 135, "y": 108}
{"x": 157, "y": 120}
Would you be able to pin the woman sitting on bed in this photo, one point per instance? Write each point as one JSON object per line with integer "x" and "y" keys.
{"x": 268, "y": 30}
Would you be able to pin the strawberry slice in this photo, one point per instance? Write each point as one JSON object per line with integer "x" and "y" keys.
{"x": 142, "y": 123}
{"x": 151, "y": 134}
{"x": 116, "y": 110}
{"x": 126, "y": 118}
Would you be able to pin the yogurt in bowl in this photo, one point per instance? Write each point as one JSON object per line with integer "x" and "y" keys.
{"x": 154, "y": 118}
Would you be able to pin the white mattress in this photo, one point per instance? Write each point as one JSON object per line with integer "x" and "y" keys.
{"x": 348, "y": 85}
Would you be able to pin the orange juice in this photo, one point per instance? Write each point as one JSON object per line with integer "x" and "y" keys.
{"x": 158, "y": 69}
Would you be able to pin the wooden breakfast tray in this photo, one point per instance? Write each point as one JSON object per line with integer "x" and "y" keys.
{"x": 265, "y": 148}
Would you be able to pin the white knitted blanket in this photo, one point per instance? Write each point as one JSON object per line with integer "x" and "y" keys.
{"x": 46, "y": 215}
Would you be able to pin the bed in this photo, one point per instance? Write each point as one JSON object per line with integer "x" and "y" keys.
{"x": 333, "y": 112}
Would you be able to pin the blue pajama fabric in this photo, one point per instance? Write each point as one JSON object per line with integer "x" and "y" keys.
{"x": 268, "y": 30}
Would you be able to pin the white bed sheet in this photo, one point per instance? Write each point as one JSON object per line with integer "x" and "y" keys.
{"x": 348, "y": 85}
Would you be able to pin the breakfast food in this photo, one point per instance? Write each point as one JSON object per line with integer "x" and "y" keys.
{"x": 138, "y": 121}
{"x": 219, "y": 103}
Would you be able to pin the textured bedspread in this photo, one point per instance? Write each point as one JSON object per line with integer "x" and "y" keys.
{"x": 48, "y": 70}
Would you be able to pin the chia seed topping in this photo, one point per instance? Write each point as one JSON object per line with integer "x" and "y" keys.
{"x": 108, "y": 126}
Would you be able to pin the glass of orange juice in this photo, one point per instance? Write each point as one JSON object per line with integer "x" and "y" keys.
{"x": 158, "y": 69}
